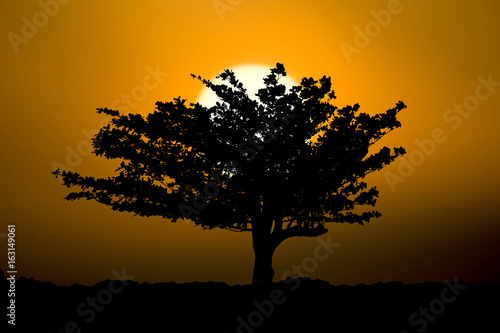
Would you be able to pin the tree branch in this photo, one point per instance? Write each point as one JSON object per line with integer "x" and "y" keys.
{"x": 299, "y": 231}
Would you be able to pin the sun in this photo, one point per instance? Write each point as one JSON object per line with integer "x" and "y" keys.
{"x": 251, "y": 75}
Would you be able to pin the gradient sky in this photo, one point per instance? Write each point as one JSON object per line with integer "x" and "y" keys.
{"x": 442, "y": 222}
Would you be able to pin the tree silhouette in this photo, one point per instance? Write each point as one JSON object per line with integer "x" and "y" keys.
{"x": 280, "y": 166}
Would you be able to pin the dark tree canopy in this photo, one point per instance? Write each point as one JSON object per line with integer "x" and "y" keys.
{"x": 281, "y": 166}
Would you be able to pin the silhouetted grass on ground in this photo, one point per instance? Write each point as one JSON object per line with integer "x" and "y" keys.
{"x": 294, "y": 305}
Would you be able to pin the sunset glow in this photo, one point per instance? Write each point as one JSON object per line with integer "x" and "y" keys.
{"x": 439, "y": 203}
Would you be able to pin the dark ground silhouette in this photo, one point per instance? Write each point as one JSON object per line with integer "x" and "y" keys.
{"x": 299, "y": 305}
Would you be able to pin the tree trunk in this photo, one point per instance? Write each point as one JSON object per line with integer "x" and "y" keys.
{"x": 264, "y": 249}
{"x": 263, "y": 268}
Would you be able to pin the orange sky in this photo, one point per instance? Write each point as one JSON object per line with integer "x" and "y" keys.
{"x": 58, "y": 66}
